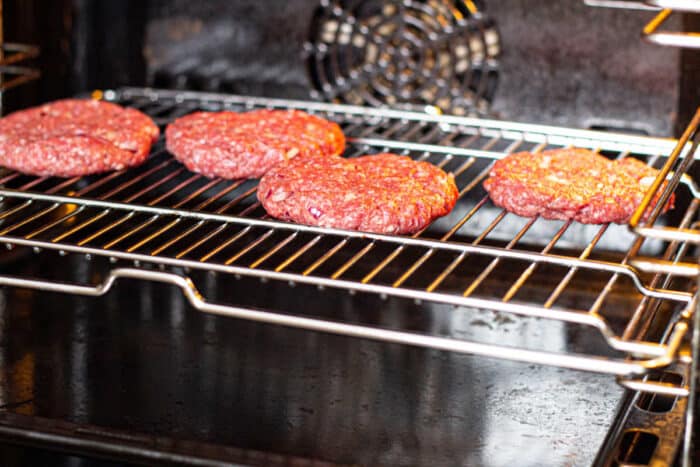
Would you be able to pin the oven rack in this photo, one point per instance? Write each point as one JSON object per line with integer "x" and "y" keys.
{"x": 673, "y": 172}
{"x": 651, "y": 32}
{"x": 12, "y": 71}
{"x": 666, "y": 8}
{"x": 161, "y": 215}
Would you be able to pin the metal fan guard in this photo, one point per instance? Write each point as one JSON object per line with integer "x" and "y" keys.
{"x": 439, "y": 53}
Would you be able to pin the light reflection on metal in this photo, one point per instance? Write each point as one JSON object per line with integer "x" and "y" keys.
{"x": 651, "y": 33}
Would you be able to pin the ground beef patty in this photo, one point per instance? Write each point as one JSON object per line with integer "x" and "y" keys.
{"x": 384, "y": 193}
{"x": 570, "y": 184}
{"x": 74, "y": 137}
{"x": 246, "y": 145}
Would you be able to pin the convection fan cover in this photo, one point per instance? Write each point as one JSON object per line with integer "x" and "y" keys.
{"x": 409, "y": 53}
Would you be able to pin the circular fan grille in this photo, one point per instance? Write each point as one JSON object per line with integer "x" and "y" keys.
{"x": 440, "y": 53}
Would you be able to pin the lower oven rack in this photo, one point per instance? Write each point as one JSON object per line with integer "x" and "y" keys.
{"x": 158, "y": 222}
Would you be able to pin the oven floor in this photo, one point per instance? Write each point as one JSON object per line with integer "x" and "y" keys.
{"x": 141, "y": 362}
{"x": 17, "y": 456}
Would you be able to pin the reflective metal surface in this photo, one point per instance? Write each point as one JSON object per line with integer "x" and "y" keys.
{"x": 140, "y": 360}
{"x": 681, "y": 39}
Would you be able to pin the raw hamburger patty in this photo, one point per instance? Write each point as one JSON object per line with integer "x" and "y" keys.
{"x": 384, "y": 193}
{"x": 570, "y": 184}
{"x": 74, "y": 137}
{"x": 246, "y": 145}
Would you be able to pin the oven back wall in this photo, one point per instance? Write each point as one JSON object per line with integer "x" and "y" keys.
{"x": 243, "y": 47}
{"x": 563, "y": 63}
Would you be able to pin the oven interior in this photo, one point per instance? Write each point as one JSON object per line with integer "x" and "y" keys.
{"x": 142, "y": 308}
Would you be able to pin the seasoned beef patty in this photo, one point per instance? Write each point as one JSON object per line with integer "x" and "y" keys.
{"x": 573, "y": 184}
{"x": 383, "y": 193}
{"x": 246, "y": 145}
{"x": 74, "y": 137}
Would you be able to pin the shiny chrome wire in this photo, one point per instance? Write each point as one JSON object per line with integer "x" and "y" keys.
{"x": 153, "y": 225}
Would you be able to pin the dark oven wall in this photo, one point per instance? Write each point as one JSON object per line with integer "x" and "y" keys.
{"x": 90, "y": 44}
{"x": 564, "y": 64}
{"x": 244, "y": 47}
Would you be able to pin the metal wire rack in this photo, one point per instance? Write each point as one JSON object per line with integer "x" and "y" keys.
{"x": 675, "y": 169}
{"x": 674, "y": 172}
{"x": 12, "y": 74}
{"x": 13, "y": 58}
{"x": 652, "y": 30}
{"x": 161, "y": 215}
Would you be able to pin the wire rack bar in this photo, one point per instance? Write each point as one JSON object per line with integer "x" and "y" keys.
{"x": 585, "y": 363}
{"x": 162, "y": 215}
{"x": 273, "y": 226}
{"x": 521, "y": 131}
